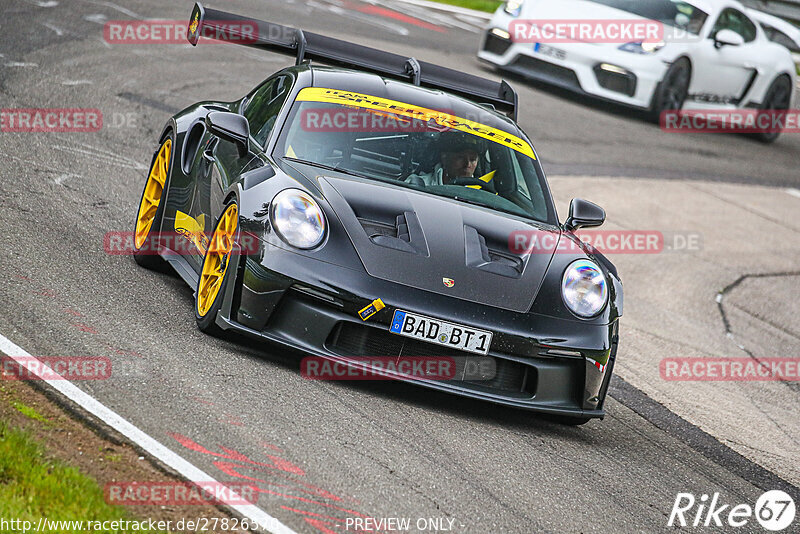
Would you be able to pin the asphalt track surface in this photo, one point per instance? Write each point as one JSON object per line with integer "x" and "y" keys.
{"x": 323, "y": 449}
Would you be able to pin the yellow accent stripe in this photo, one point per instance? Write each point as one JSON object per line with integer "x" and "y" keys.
{"x": 358, "y": 100}
{"x": 487, "y": 177}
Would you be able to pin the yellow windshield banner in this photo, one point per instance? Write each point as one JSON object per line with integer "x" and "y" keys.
{"x": 358, "y": 100}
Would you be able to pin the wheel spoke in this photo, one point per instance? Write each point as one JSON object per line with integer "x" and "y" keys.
{"x": 215, "y": 263}
{"x": 153, "y": 190}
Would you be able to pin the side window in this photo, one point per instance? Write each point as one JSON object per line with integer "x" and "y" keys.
{"x": 781, "y": 38}
{"x": 264, "y": 105}
{"x": 732, "y": 19}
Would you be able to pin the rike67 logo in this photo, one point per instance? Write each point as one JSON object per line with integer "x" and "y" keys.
{"x": 774, "y": 510}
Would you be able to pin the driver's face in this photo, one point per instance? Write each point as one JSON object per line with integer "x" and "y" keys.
{"x": 460, "y": 164}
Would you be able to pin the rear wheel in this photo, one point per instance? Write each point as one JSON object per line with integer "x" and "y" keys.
{"x": 216, "y": 274}
{"x": 151, "y": 209}
{"x": 779, "y": 97}
{"x": 673, "y": 90}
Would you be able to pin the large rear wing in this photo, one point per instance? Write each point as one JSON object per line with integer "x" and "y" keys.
{"x": 311, "y": 46}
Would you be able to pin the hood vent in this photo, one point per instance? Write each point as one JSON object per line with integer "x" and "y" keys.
{"x": 405, "y": 235}
{"x": 491, "y": 260}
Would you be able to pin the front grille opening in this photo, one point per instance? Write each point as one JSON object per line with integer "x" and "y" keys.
{"x": 550, "y": 70}
{"x": 616, "y": 81}
{"x": 351, "y": 339}
{"x": 495, "y": 44}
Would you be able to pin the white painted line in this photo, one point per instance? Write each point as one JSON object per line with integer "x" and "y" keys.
{"x": 153, "y": 447}
{"x": 794, "y": 192}
{"x": 59, "y": 31}
{"x": 437, "y": 6}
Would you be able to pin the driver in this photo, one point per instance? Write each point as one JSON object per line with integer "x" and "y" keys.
{"x": 458, "y": 158}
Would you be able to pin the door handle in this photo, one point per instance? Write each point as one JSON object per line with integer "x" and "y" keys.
{"x": 208, "y": 155}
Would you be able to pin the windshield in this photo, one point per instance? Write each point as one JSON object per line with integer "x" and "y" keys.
{"x": 423, "y": 149}
{"x": 674, "y": 13}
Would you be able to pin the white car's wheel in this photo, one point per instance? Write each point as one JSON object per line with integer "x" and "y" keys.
{"x": 778, "y": 97}
{"x": 673, "y": 90}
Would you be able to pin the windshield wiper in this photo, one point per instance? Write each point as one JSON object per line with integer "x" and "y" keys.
{"x": 468, "y": 201}
{"x": 334, "y": 168}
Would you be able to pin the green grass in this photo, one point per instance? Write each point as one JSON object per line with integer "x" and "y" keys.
{"x": 32, "y": 486}
{"x": 481, "y": 5}
{"x": 30, "y": 412}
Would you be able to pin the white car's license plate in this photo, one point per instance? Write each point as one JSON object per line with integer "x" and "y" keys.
{"x": 451, "y": 335}
{"x": 549, "y": 51}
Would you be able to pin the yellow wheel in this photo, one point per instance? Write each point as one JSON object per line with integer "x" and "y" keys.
{"x": 149, "y": 215}
{"x": 215, "y": 266}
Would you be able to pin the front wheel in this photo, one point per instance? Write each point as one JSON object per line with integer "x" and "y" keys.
{"x": 215, "y": 275}
{"x": 151, "y": 208}
{"x": 673, "y": 90}
{"x": 778, "y": 97}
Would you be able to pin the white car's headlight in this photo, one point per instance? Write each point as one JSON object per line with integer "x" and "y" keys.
{"x": 643, "y": 48}
{"x": 297, "y": 219}
{"x": 513, "y": 7}
{"x": 584, "y": 288}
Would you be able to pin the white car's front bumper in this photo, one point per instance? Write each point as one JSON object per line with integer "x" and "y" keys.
{"x": 599, "y": 70}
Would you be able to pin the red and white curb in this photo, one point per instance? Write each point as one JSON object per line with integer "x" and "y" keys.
{"x": 185, "y": 469}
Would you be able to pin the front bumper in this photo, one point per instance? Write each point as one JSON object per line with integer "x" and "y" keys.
{"x": 632, "y": 80}
{"x": 549, "y": 365}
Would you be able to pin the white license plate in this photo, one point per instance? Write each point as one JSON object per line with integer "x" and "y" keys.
{"x": 451, "y": 335}
{"x": 549, "y": 51}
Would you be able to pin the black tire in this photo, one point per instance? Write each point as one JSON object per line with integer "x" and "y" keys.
{"x": 146, "y": 255}
{"x": 673, "y": 90}
{"x": 207, "y": 321}
{"x": 779, "y": 96}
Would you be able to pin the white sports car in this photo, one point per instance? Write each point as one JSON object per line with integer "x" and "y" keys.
{"x": 709, "y": 54}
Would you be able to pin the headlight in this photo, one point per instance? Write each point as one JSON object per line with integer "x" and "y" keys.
{"x": 584, "y": 288}
{"x": 643, "y": 48}
{"x": 513, "y": 7}
{"x": 297, "y": 219}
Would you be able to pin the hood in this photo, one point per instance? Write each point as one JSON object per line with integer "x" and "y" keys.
{"x": 438, "y": 245}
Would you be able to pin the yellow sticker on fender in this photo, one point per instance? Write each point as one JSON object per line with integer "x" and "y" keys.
{"x": 192, "y": 229}
{"x": 358, "y": 100}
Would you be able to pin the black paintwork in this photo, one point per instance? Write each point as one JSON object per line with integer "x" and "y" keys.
{"x": 298, "y": 297}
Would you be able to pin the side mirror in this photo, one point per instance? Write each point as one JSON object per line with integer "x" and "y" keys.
{"x": 584, "y": 214}
{"x": 230, "y": 127}
{"x": 727, "y": 38}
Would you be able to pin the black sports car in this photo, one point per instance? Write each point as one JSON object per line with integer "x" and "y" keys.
{"x": 374, "y": 207}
